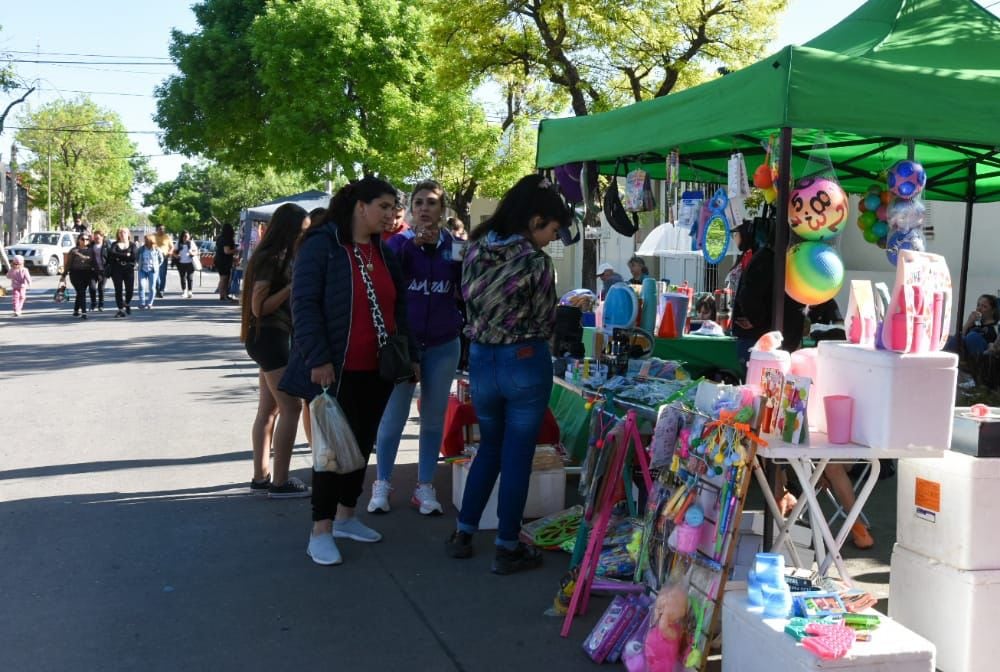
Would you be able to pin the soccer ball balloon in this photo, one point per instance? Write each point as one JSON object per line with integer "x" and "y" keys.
{"x": 816, "y": 208}
{"x": 906, "y": 178}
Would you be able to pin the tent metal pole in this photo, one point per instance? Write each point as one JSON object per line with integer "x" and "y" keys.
{"x": 778, "y": 296}
{"x": 963, "y": 276}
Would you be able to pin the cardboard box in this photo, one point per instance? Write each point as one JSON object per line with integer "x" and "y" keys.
{"x": 546, "y": 494}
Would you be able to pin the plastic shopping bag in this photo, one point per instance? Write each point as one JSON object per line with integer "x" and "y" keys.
{"x": 334, "y": 446}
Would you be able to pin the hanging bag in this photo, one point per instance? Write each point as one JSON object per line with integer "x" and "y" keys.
{"x": 638, "y": 192}
{"x": 615, "y": 212}
{"x": 334, "y": 445}
{"x": 394, "y": 363}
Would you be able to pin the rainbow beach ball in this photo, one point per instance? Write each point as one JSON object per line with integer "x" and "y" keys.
{"x": 814, "y": 273}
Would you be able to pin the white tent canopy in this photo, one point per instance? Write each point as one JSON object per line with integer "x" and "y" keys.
{"x": 307, "y": 199}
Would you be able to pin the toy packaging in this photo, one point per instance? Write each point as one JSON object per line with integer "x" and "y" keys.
{"x": 809, "y": 605}
{"x": 920, "y": 308}
{"x": 772, "y": 385}
{"x": 791, "y": 420}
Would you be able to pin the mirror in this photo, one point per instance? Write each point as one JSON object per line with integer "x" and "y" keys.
{"x": 715, "y": 243}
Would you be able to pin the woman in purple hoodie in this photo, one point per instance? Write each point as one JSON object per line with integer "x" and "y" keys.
{"x": 432, "y": 281}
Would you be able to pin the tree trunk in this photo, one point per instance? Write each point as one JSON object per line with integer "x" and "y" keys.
{"x": 462, "y": 202}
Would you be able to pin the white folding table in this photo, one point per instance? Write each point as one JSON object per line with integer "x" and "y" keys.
{"x": 808, "y": 462}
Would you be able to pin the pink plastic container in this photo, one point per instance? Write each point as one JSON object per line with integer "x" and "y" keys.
{"x": 762, "y": 359}
{"x": 688, "y": 537}
{"x": 839, "y": 416}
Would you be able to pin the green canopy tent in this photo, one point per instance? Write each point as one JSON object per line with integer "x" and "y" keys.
{"x": 896, "y": 78}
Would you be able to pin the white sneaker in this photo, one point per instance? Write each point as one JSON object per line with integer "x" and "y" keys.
{"x": 379, "y": 503}
{"x": 425, "y": 499}
{"x": 323, "y": 550}
{"x": 352, "y": 528}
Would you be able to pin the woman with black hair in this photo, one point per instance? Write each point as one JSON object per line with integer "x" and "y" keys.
{"x": 266, "y": 330}
{"x": 508, "y": 283}
{"x": 341, "y": 269}
{"x": 637, "y": 267}
{"x": 184, "y": 254}
{"x": 225, "y": 248}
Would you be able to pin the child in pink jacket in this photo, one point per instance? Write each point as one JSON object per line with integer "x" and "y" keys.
{"x": 20, "y": 280}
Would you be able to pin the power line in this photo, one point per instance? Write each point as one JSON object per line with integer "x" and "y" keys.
{"x": 65, "y": 53}
{"x": 81, "y": 130}
{"x": 52, "y": 62}
{"x": 95, "y": 93}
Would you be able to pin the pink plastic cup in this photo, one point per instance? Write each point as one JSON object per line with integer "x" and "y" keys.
{"x": 839, "y": 415}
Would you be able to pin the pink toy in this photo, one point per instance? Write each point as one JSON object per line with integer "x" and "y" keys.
{"x": 816, "y": 208}
{"x": 666, "y": 633}
{"x": 979, "y": 410}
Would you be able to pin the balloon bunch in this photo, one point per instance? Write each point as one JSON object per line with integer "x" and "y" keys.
{"x": 817, "y": 209}
{"x": 873, "y": 219}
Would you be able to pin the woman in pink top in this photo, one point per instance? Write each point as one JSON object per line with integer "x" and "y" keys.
{"x": 20, "y": 280}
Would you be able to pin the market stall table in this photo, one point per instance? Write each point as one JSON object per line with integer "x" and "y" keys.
{"x": 751, "y": 643}
{"x": 808, "y": 462}
{"x": 699, "y": 354}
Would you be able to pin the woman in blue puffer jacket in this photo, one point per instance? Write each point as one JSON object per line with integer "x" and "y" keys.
{"x": 334, "y": 341}
{"x": 433, "y": 281}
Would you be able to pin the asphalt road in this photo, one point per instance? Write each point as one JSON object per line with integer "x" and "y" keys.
{"x": 128, "y": 540}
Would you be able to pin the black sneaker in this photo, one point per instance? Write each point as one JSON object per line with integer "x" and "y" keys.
{"x": 459, "y": 545}
{"x": 159, "y": 295}
{"x": 290, "y": 489}
{"x": 128, "y": 310}
{"x": 120, "y": 313}
{"x": 260, "y": 487}
{"x": 522, "y": 557}
{"x": 83, "y": 316}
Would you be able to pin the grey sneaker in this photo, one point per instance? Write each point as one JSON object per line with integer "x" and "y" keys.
{"x": 293, "y": 488}
{"x": 352, "y": 528}
{"x": 379, "y": 503}
{"x": 323, "y": 550}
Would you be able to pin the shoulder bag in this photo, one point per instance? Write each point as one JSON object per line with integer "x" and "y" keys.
{"x": 393, "y": 351}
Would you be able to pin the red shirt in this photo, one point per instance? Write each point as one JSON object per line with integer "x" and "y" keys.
{"x": 362, "y": 345}
{"x": 386, "y": 235}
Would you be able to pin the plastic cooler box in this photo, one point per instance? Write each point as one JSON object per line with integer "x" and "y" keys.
{"x": 956, "y": 609}
{"x": 546, "y": 494}
{"x": 900, "y": 401}
{"x": 945, "y": 510}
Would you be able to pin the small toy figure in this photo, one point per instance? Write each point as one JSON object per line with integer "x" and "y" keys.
{"x": 666, "y": 634}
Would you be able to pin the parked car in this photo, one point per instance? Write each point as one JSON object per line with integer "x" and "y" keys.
{"x": 44, "y": 250}
{"x": 207, "y": 250}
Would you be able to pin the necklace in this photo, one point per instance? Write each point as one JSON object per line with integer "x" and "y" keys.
{"x": 368, "y": 258}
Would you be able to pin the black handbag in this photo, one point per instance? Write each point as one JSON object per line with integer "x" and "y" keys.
{"x": 394, "y": 363}
{"x": 615, "y": 212}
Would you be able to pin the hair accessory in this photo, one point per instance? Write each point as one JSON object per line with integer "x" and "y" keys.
{"x": 545, "y": 183}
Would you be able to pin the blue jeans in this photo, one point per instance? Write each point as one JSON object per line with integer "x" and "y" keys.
{"x": 147, "y": 287}
{"x": 510, "y": 387}
{"x": 161, "y": 280}
{"x": 975, "y": 344}
{"x": 437, "y": 371}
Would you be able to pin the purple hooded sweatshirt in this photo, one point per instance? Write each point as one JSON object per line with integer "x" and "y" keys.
{"x": 433, "y": 282}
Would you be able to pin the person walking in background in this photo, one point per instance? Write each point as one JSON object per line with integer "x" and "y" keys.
{"x": 165, "y": 244}
{"x": 80, "y": 268}
{"x": 265, "y": 329}
{"x": 225, "y": 248}
{"x": 432, "y": 279}
{"x": 100, "y": 251}
{"x": 149, "y": 260}
{"x": 508, "y": 283}
{"x": 122, "y": 256}
{"x": 398, "y": 224}
{"x": 20, "y": 281}
{"x": 184, "y": 253}
{"x": 341, "y": 270}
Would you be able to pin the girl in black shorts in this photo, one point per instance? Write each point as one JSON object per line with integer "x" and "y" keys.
{"x": 266, "y": 330}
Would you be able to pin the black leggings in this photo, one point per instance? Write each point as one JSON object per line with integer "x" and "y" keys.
{"x": 97, "y": 290}
{"x": 363, "y": 396}
{"x": 82, "y": 281}
{"x": 186, "y": 271}
{"x": 123, "y": 277}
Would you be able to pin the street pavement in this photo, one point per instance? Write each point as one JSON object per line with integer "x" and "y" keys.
{"x": 128, "y": 539}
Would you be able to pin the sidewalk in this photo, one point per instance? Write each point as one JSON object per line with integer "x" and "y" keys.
{"x": 128, "y": 539}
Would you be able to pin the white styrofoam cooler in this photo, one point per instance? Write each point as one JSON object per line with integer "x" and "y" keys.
{"x": 945, "y": 509}
{"x": 900, "y": 401}
{"x": 956, "y": 609}
{"x": 751, "y": 643}
{"x": 546, "y": 494}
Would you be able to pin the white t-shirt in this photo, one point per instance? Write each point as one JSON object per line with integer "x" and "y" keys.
{"x": 185, "y": 252}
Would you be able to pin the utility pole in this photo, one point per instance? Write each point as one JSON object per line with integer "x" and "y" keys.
{"x": 12, "y": 231}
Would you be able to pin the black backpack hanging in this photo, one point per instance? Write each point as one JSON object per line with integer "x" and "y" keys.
{"x": 615, "y": 212}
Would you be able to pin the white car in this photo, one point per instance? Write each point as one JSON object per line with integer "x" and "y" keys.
{"x": 44, "y": 250}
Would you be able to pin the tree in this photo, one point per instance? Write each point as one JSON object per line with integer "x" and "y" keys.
{"x": 600, "y": 54}
{"x": 9, "y": 82}
{"x": 86, "y": 151}
{"x": 204, "y": 194}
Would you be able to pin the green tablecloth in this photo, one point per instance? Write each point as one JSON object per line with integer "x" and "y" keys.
{"x": 701, "y": 354}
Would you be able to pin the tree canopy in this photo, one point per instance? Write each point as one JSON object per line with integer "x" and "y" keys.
{"x": 602, "y": 54}
{"x": 87, "y": 153}
{"x": 205, "y": 194}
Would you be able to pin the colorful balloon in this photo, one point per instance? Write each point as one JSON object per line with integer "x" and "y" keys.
{"x": 814, "y": 273}
{"x": 870, "y": 235}
{"x": 885, "y": 197}
{"x": 868, "y": 220}
{"x": 872, "y": 201}
{"x": 816, "y": 208}
{"x": 904, "y": 240}
{"x": 880, "y": 229}
{"x": 770, "y": 194}
{"x": 906, "y": 179}
{"x": 905, "y": 214}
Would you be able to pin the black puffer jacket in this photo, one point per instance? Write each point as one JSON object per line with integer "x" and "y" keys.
{"x": 322, "y": 300}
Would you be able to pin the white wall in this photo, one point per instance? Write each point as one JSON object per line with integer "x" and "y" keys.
{"x": 867, "y": 261}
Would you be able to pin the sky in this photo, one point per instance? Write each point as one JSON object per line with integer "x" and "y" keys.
{"x": 139, "y": 32}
